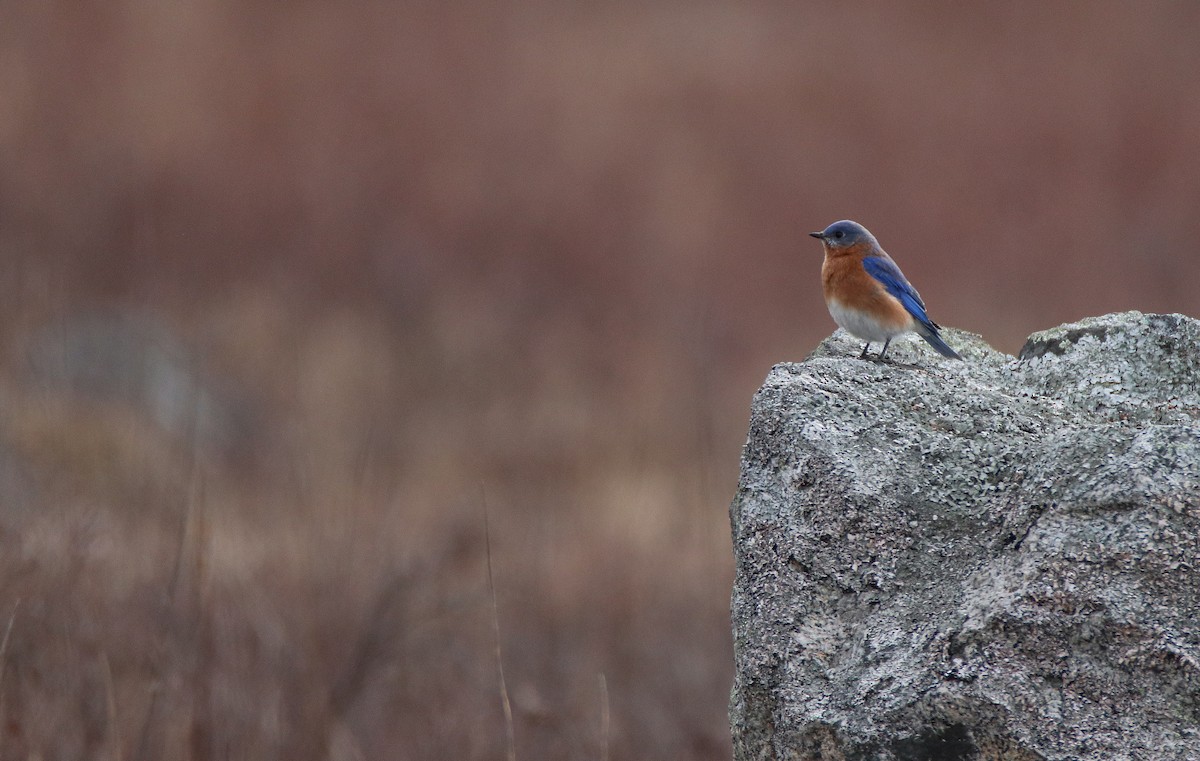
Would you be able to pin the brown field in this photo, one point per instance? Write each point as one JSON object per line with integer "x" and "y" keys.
{"x": 308, "y": 305}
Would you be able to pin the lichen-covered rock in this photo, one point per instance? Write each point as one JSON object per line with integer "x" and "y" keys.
{"x": 990, "y": 559}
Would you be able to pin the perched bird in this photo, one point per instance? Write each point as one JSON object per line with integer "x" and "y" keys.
{"x": 866, "y": 292}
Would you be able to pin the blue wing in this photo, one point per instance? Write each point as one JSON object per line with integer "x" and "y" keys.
{"x": 886, "y": 272}
{"x": 883, "y": 269}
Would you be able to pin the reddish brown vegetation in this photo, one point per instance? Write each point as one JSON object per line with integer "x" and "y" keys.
{"x": 533, "y": 257}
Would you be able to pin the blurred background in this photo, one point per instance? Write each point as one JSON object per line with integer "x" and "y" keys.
{"x": 313, "y": 313}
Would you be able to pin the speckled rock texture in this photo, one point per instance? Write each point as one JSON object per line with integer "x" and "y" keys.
{"x": 990, "y": 559}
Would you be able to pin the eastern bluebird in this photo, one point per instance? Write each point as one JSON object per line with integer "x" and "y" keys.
{"x": 866, "y": 292}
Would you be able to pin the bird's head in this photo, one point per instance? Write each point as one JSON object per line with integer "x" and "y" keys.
{"x": 845, "y": 234}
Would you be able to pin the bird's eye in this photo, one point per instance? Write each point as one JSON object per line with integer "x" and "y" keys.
{"x": 839, "y": 234}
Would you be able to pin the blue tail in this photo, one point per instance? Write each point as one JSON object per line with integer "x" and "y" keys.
{"x": 934, "y": 339}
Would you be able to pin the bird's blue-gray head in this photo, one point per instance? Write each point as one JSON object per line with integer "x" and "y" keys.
{"x": 845, "y": 234}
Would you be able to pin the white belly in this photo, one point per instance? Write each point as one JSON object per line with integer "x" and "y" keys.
{"x": 864, "y": 326}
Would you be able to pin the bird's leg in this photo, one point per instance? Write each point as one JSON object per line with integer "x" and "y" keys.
{"x": 885, "y": 345}
{"x": 864, "y": 351}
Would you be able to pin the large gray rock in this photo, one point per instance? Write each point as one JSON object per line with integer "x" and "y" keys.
{"x": 990, "y": 559}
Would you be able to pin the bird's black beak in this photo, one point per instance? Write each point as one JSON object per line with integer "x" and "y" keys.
{"x": 821, "y": 236}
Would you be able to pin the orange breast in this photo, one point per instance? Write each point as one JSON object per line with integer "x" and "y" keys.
{"x": 845, "y": 281}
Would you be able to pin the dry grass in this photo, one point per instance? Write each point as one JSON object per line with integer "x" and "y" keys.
{"x": 376, "y": 264}
{"x": 327, "y": 595}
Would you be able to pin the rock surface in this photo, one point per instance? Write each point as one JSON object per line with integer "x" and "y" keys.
{"x": 990, "y": 559}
